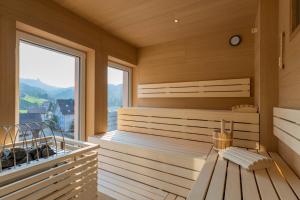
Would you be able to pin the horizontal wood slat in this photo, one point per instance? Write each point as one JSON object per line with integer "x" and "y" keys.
{"x": 145, "y": 148}
{"x": 190, "y": 124}
{"x": 160, "y": 166}
{"x": 63, "y": 176}
{"x": 214, "y": 88}
{"x": 287, "y": 127}
{"x": 146, "y": 179}
{"x": 221, "y": 179}
{"x": 120, "y": 187}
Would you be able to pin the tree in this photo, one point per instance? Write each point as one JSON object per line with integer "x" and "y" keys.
{"x": 71, "y": 128}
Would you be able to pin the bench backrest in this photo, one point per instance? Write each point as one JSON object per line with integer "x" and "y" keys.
{"x": 287, "y": 127}
{"x": 190, "y": 124}
{"x": 212, "y": 88}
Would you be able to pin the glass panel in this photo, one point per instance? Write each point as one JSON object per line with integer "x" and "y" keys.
{"x": 48, "y": 87}
{"x": 295, "y": 14}
{"x": 118, "y": 94}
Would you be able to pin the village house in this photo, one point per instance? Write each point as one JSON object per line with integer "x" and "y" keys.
{"x": 64, "y": 112}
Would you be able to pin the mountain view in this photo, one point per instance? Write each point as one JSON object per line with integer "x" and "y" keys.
{"x": 39, "y": 101}
{"x": 34, "y": 93}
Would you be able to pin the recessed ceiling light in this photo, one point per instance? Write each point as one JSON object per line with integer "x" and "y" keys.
{"x": 176, "y": 20}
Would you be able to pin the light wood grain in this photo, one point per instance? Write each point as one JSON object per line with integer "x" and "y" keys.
{"x": 233, "y": 183}
{"x": 213, "y": 88}
{"x": 266, "y": 69}
{"x": 148, "y": 23}
{"x": 151, "y": 164}
{"x": 59, "y": 177}
{"x": 132, "y": 185}
{"x": 201, "y": 185}
{"x": 219, "y": 180}
{"x": 289, "y": 77}
{"x": 189, "y": 124}
{"x": 207, "y": 57}
{"x": 286, "y": 127}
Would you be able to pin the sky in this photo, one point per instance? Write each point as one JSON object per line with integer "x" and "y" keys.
{"x": 114, "y": 76}
{"x": 51, "y": 67}
{"x": 54, "y": 68}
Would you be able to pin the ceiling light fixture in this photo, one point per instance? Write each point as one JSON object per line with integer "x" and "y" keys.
{"x": 176, "y": 20}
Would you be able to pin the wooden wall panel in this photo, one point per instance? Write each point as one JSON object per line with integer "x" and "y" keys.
{"x": 7, "y": 73}
{"x": 50, "y": 17}
{"x": 266, "y": 69}
{"x": 208, "y": 57}
{"x": 289, "y": 78}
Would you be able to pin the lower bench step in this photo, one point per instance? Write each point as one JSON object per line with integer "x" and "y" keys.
{"x": 122, "y": 188}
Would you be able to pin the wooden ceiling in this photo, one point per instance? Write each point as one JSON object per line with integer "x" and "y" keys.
{"x": 148, "y": 22}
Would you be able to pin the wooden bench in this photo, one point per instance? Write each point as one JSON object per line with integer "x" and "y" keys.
{"x": 222, "y": 179}
{"x": 166, "y": 148}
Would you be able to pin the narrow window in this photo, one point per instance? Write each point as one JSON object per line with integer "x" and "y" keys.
{"x": 50, "y": 85}
{"x": 295, "y": 14}
{"x": 118, "y": 92}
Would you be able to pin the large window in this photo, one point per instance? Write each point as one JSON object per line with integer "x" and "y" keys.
{"x": 118, "y": 92}
{"x": 51, "y": 84}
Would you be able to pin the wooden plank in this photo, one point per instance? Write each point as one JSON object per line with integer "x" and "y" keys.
{"x": 247, "y": 142}
{"x": 217, "y": 184}
{"x": 112, "y": 193}
{"x": 201, "y": 185}
{"x": 161, "y": 143}
{"x": 51, "y": 180}
{"x": 88, "y": 182}
{"x": 189, "y": 174}
{"x": 187, "y": 160}
{"x": 191, "y": 89}
{"x": 291, "y": 128}
{"x": 233, "y": 184}
{"x": 180, "y": 198}
{"x": 146, "y": 180}
{"x": 7, "y": 189}
{"x": 181, "y": 125}
{"x": 89, "y": 191}
{"x": 219, "y": 88}
{"x": 249, "y": 187}
{"x": 289, "y": 114}
{"x": 217, "y": 115}
{"x": 245, "y": 81}
{"x": 63, "y": 183}
{"x": 183, "y": 182}
{"x": 171, "y": 197}
{"x": 286, "y": 171}
{"x": 265, "y": 186}
{"x": 121, "y": 190}
{"x": 283, "y": 189}
{"x": 133, "y": 186}
{"x": 292, "y": 142}
{"x": 198, "y": 94}
{"x": 43, "y": 164}
{"x": 166, "y": 133}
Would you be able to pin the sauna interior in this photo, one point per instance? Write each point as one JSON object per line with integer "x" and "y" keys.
{"x": 150, "y": 100}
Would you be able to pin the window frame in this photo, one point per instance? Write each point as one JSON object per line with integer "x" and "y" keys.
{"x": 293, "y": 30}
{"x": 80, "y": 74}
{"x": 129, "y": 86}
{"x": 129, "y": 71}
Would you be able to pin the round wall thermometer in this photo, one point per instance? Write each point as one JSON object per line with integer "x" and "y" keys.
{"x": 235, "y": 40}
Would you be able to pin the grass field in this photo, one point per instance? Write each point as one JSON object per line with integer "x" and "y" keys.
{"x": 23, "y": 111}
{"x": 34, "y": 100}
